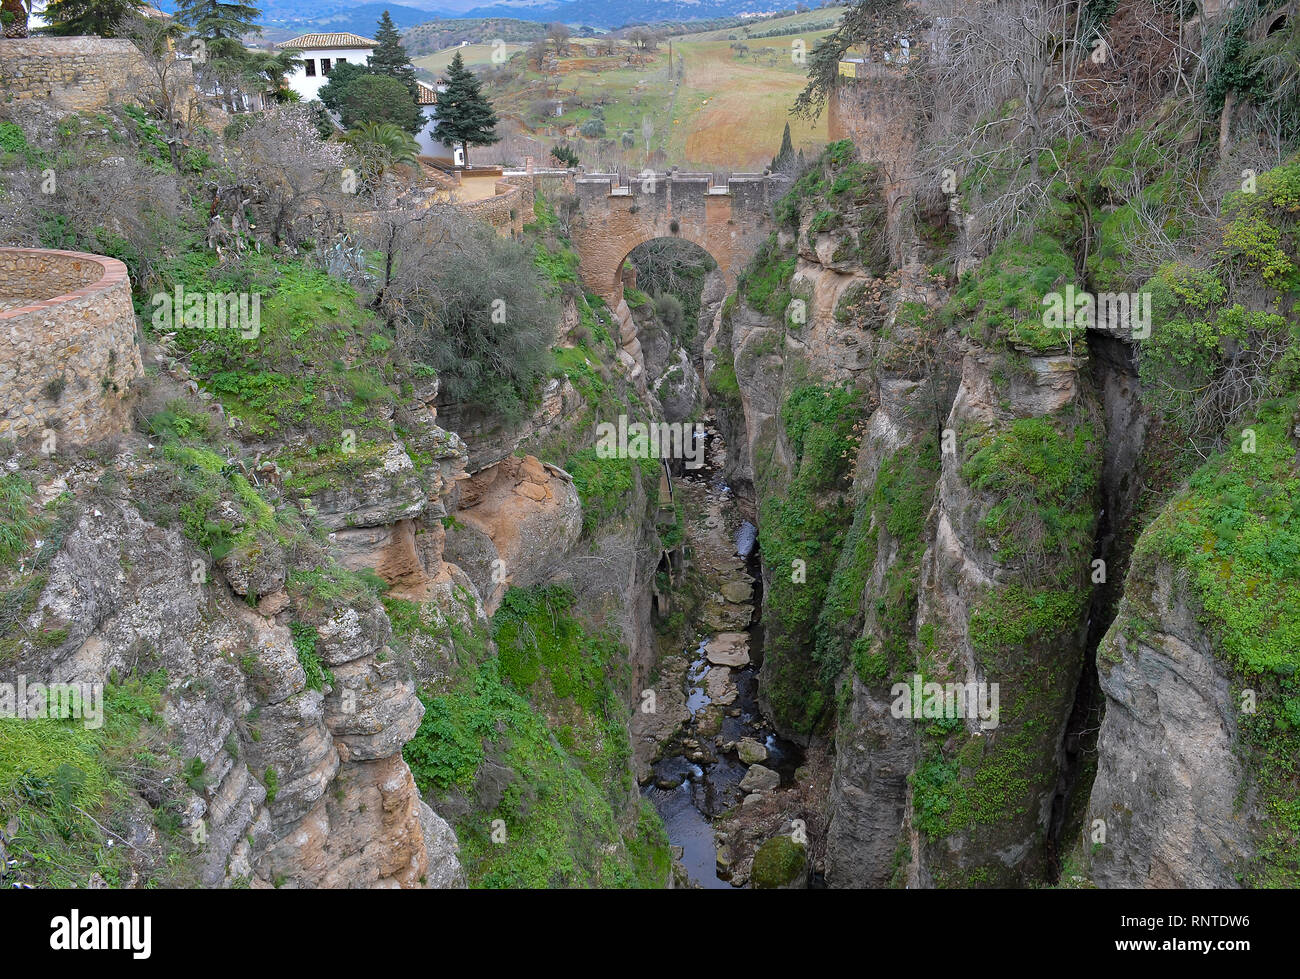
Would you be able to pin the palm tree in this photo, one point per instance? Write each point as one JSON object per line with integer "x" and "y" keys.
{"x": 13, "y": 18}
{"x": 381, "y": 146}
{"x": 276, "y": 67}
{"x": 386, "y": 137}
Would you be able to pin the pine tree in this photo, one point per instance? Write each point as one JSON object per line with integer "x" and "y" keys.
{"x": 390, "y": 56}
{"x": 465, "y": 115}
{"x": 101, "y": 17}
{"x": 220, "y": 24}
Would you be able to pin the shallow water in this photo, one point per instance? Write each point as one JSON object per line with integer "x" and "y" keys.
{"x": 704, "y": 790}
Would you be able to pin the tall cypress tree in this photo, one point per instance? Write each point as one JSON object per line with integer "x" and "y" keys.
{"x": 390, "y": 57}
{"x": 786, "y": 153}
{"x": 465, "y": 115}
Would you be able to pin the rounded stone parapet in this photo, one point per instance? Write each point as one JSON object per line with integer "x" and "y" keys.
{"x": 68, "y": 348}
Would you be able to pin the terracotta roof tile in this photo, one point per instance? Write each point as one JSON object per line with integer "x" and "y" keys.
{"x": 310, "y": 41}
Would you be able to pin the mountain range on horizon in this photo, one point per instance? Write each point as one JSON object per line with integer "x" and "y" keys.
{"x": 361, "y": 16}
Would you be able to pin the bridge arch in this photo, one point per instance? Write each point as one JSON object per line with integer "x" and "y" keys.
{"x": 629, "y": 269}
{"x": 728, "y": 220}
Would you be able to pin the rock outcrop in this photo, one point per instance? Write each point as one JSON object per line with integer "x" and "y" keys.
{"x": 514, "y": 524}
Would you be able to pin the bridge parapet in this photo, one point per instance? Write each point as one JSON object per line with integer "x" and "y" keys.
{"x": 650, "y": 181}
{"x": 728, "y": 218}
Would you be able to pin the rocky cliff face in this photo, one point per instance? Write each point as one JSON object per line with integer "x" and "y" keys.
{"x": 940, "y": 522}
{"x": 983, "y": 795}
{"x": 1196, "y": 750}
{"x": 294, "y": 756}
{"x": 974, "y": 527}
{"x": 1171, "y": 719}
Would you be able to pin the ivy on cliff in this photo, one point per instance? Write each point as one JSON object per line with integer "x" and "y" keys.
{"x": 542, "y": 722}
{"x": 1234, "y": 533}
{"x": 802, "y": 533}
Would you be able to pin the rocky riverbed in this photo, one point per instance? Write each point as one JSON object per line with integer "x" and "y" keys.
{"x": 722, "y": 780}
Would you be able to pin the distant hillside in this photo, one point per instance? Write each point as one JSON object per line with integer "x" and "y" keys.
{"x": 750, "y": 28}
{"x": 435, "y": 35}
{"x": 364, "y": 19}
{"x": 618, "y": 13}
{"x": 281, "y": 19}
{"x": 429, "y": 25}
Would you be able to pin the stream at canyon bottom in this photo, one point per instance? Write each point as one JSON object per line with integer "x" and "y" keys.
{"x": 700, "y": 773}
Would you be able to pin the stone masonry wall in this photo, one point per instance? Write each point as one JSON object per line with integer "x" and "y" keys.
{"x": 510, "y": 209}
{"x": 876, "y": 113}
{"x": 729, "y": 221}
{"x": 72, "y": 74}
{"x": 68, "y": 350}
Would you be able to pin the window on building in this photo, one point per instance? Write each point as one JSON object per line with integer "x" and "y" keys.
{"x": 340, "y": 61}
{"x": 324, "y": 66}
{"x": 310, "y": 65}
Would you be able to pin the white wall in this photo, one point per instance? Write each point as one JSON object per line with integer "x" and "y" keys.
{"x": 429, "y": 145}
{"x": 309, "y": 85}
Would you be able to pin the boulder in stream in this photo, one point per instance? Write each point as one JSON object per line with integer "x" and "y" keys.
{"x": 760, "y": 778}
{"x": 719, "y": 687}
{"x": 750, "y": 752}
{"x": 738, "y": 592}
{"x": 728, "y": 649}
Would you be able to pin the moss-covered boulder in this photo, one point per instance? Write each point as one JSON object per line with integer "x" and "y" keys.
{"x": 780, "y": 863}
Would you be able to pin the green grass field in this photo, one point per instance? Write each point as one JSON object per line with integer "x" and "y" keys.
{"x": 715, "y": 109}
{"x": 473, "y": 54}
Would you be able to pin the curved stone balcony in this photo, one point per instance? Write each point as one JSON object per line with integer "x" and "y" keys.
{"x": 68, "y": 348}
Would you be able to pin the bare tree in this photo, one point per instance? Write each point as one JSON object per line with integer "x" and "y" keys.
{"x": 415, "y": 234}
{"x": 290, "y": 171}
{"x": 670, "y": 265}
{"x": 468, "y": 303}
{"x": 536, "y": 54}
{"x": 643, "y": 38}
{"x": 559, "y": 36}
{"x": 169, "y": 80}
{"x": 998, "y": 96}
{"x": 97, "y": 200}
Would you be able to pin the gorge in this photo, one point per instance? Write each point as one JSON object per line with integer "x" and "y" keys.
{"x": 388, "y": 592}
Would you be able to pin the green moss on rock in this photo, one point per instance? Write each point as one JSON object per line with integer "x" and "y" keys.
{"x": 778, "y": 862}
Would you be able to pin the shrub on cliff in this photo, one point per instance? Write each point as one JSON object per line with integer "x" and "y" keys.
{"x": 1233, "y": 537}
{"x": 477, "y": 312}
{"x": 1226, "y": 337}
{"x": 534, "y": 743}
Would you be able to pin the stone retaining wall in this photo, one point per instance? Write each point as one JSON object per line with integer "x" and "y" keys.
{"x": 510, "y": 208}
{"x": 877, "y": 113}
{"x": 73, "y": 74}
{"x": 68, "y": 349}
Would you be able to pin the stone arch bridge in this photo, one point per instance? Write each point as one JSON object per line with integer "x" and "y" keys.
{"x": 728, "y": 220}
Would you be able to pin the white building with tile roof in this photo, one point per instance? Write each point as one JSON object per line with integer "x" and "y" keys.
{"x": 429, "y": 144}
{"x": 320, "y": 53}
